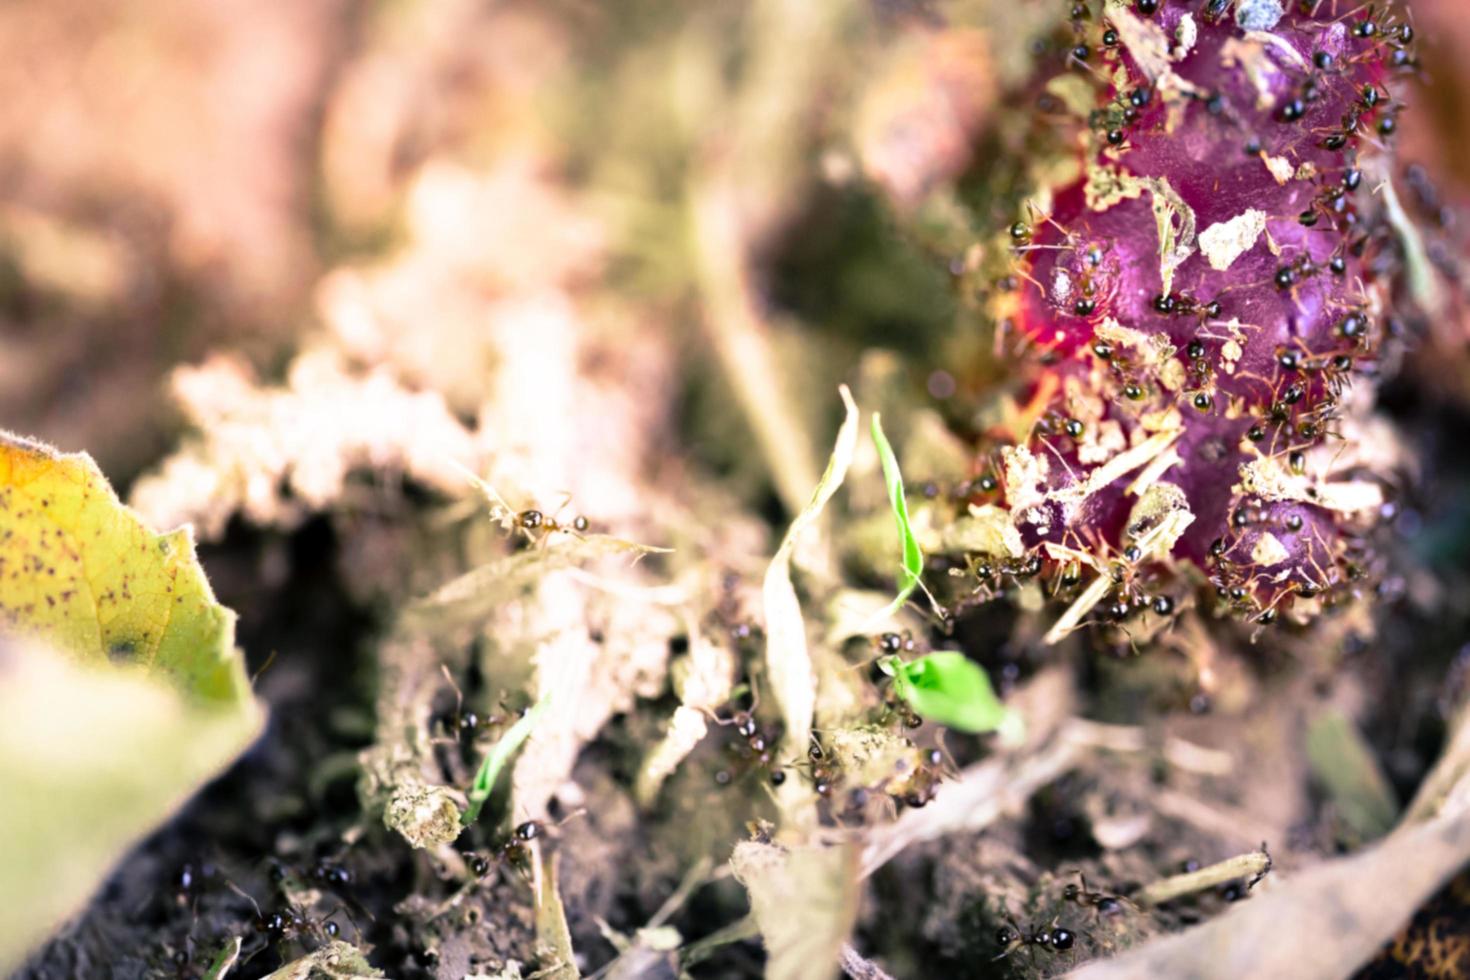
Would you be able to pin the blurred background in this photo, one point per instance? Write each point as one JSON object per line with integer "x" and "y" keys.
{"x": 617, "y": 253}
{"x": 408, "y": 183}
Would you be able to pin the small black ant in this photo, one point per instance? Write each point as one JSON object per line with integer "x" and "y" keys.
{"x": 512, "y": 850}
{"x": 824, "y": 772}
{"x": 896, "y": 709}
{"x": 755, "y": 745}
{"x": 1102, "y": 903}
{"x": 894, "y": 642}
{"x": 526, "y": 521}
{"x": 515, "y": 849}
{"x": 463, "y": 723}
{"x": 1010, "y": 938}
{"x": 292, "y": 923}
{"x": 326, "y": 872}
{"x": 189, "y": 881}
{"x": 917, "y": 788}
{"x": 176, "y": 962}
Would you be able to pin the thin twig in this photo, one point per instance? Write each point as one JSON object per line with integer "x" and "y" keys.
{"x": 1251, "y": 865}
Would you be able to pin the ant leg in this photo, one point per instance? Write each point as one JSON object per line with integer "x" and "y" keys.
{"x": 456, "y": 732}
{"x": 1009, "y": 938}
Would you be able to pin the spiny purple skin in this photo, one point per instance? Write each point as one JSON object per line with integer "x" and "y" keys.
{"x": 1207, "y": 160}
{"x": 1227, "y": 525}
{"x": 1306, "y": 294}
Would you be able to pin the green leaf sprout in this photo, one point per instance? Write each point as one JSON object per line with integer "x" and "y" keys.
{"x": 949, "y": 688}
{"x": 496, "y": 759}
{"x": 913, "y": 556}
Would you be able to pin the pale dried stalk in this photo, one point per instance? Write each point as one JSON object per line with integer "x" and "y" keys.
{"x": 742, "y": 341}
{"x": 1247, "y": 866}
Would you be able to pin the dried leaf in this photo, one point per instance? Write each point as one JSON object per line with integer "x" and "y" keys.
{"x": 334, "y": 961}
{"x": 804, "y": 900}
{"x": 1225, "y": 241}
{"x": 552, "y": 932}
{"x": 275, "y": 454}
{"x": 787, "y": 660}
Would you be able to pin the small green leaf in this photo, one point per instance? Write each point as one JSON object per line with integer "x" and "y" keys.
{"x": 225, "y": 961}
{"x": 949, "y": 688}
{"x": 913, "y": 556}
{"x": 499, "y": 754}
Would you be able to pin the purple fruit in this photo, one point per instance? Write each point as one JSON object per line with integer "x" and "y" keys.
{"x": 1204, "y": 295}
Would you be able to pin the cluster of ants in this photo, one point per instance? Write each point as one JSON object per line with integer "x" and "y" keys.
{"x": 1054, "y": 938}
{"x": 288, "y": 922}
{"x": 913, "y": 783}
{"x": 1102, "y": 905}
{"x": 1239, "y": 584}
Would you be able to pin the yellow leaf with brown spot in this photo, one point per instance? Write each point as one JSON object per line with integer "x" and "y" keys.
{"x": 81, "y": 571}
{"x": 121, "y": 691}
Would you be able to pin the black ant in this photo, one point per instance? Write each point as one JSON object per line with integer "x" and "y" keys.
{"x": 292, "y": 923}
{"x": 824, "y": 772}
{"x": 177, "y": 962}
{"x": 757, "y": 744}
{"x": 1102, "y": 903}
{"x": 1010, "y": 938}
{"x": 895, "y": 708}
{"x": 469, "y": 723}
{"x": 917, "y": 788}
{"x": 327, "y": 872}
{"x": 526, "y": 521}
{"x": 894, "y": 642}
{"x": 189, "y": 882}
{"x": 514, "y": 850}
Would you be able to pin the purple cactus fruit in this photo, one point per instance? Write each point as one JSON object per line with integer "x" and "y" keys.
{"x": 1204, "y": 294}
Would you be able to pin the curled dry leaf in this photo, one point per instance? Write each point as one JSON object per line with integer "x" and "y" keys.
{"x": 788, "y": 662}
{"x": 805, "y": 901}
{"x": 552, "y": 932}
{"x": 587, "y": 681}
{"x": 1360, "y": 901}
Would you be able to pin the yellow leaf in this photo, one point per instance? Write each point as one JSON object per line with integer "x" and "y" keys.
{"x": 81, "y": 571}
{"x": 121, "y": 690}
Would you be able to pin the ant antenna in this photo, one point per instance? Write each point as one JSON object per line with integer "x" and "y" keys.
{"x": 263, "y": 668}
{"x": 245, "y": 895}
